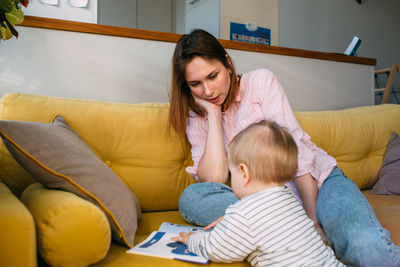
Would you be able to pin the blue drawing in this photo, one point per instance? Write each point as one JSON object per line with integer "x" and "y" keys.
{"x": 157, "y": 237}
{"x": 180, "y": 249}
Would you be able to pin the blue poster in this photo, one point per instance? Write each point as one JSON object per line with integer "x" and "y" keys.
{"x": 250, "y": 33}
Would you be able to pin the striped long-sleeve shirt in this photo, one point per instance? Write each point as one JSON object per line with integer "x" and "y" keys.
{"x": 269, "y": 228}
{"x": 261, "y": 97}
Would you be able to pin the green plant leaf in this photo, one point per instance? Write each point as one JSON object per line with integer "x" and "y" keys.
{"x": 6, "y": 5}
{"x": 15, "y": 16}
{"x": 2, "y": 19}
{"x": 11, "y": 19}
{"x": 5, "y": 33}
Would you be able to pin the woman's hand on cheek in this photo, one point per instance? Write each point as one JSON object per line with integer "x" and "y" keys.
{"x": 206, "y": 105}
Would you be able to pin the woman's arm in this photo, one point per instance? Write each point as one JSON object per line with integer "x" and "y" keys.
{"x": 213, "y": 165}
{"x": 308, "y": 190}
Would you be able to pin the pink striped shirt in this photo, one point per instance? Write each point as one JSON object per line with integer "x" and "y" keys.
{"x": 261, "y": 97}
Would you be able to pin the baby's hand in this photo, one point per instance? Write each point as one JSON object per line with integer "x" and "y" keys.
{"x": 213, "y": 224}
{"x": 183, "y": 237}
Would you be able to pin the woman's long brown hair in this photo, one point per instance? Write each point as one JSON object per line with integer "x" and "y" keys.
{"x": 198, "y": 43}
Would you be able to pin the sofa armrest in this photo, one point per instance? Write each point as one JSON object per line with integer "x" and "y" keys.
{"x": 17, "y": 231}
{"x": 71, "y": 231}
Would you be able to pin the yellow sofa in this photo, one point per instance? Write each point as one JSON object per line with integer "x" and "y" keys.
{"x": 133, "y": 141}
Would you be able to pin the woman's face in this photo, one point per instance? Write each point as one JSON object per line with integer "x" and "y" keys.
{"x": 208, "y": 80}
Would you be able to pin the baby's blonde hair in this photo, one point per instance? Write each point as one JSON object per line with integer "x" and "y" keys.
{"x": 268, "y": 150}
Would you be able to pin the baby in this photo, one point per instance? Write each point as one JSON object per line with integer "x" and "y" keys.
{"x": 268, "y": 226}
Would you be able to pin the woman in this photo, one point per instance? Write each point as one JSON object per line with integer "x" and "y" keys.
{"x": 210, "y": 104}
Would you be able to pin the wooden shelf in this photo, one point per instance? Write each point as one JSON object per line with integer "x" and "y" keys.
{"x": 73, "y": 26}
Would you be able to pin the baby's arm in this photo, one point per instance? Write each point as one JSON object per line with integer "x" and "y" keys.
{"x": 184, "y": 236}
{"x": 229, "y": 241}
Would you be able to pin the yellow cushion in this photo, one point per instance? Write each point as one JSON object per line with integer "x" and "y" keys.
{"x": 356, "y": 137}
{"x": 17, "y": 232}
{"x": 131, "y": 139}
{"x": 70, "y": 230}
{"x": 58, "y": 158}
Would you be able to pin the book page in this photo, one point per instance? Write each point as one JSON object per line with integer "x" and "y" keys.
{"x": 159, "y": 244}
{"x": 177, "y": 228}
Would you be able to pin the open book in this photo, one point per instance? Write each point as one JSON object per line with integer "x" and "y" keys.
{"x": 159, "y": 244}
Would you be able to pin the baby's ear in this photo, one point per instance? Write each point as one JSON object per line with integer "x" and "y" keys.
{"x": 245, "y": 173}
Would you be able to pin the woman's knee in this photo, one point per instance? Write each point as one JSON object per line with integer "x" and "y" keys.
{"x": 203, "y": 203}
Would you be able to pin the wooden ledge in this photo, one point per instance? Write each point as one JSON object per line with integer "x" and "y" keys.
{"x": 380, "y": 71}
{"x": 74, "y": 26}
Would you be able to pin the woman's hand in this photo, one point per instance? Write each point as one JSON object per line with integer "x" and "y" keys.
{"x": 206, "y": 105}
{"x": 213, "y": 165}
{"x": 320, "y": 231}
{"x": 183, "y": 237}
{"x": 213, "y": 224}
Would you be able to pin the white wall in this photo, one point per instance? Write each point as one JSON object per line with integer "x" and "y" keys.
{"x": 312, "y": 84}
{"x": 204, "y": 14}
{"x": 324, "y": 25}
{"x": 155, "y": 15}
{"x": 120, "y": 13}
{"x": 329, "y": 26}
{"x": 78, "y": 65}
{"x": 63, "y": 11}
{"x": 90, "y": 66}
{"x": 179, "y": 16}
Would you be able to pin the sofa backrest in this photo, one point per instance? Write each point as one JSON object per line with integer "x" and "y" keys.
{"x": 356, "y": 137}
{"x": 132, "y": 139}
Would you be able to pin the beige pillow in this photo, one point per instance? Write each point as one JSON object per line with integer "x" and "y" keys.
{"x": 59, "y": 158}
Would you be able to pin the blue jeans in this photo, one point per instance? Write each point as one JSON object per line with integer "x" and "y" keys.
{"x": 347, "y": 218}
{"x": 351, "y": 226}
{"x": 203, "y": 203}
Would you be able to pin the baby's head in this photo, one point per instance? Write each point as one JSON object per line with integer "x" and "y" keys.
{"x": 264, "y": 151}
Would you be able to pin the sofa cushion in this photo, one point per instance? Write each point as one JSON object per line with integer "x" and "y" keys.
{"x": 70, "y": 230}
{"x": 355, "y": 137}
{"x": 58, "y": 157}
{"x": 387, "y": 209}
{"x": 389, "y": 175}
{"x": 132, "y": 139}
{"x": 17, "y": 231}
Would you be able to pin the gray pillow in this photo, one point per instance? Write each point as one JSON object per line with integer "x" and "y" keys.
{"x": 59, "y": 158}
{"x": 389, "y": 174}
